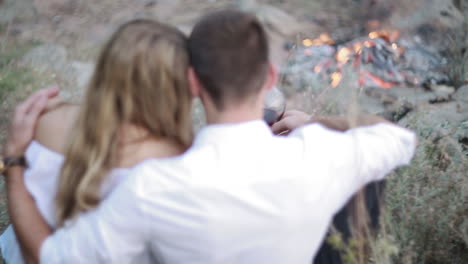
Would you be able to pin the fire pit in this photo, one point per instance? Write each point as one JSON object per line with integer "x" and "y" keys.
{"x": 380, "y": 59}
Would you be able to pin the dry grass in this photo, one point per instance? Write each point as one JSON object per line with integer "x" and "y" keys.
{"x": 426, "y": 203}
{"x": 15, "y": 83}
{"x": 458, "y": 53}
{"x": 427, "y": 207}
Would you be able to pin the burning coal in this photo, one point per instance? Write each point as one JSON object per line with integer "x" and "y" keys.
{"x": 379, "y": 60}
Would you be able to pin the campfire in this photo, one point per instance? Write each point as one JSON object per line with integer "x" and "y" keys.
{"x": 379, "y": 59}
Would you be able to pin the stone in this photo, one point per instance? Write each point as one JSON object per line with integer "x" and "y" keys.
{"x": 17, "y": 11}
{"x": 47, "y": 57}
{"x": 246, "y": 5}
{"x": 164, "y": 10}
{"x": 273, "y": 18}
{"x": 52, "y": 59}
{"x": 435, "y": 22}
{"x": 443, "y": 125}
{"x": 371, "y": 105}
{"x": 278, "y": 21}
{"x": 461, "y": 99}
{"x": 83, "y": 72}
{"x": 413, "y": 14}
{"x": 52, "y": 8}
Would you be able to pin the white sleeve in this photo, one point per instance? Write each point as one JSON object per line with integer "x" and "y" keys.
{"x": 349, "y": 160}
{"x": 41, "y": 179}
{"x": 115, "y": 232}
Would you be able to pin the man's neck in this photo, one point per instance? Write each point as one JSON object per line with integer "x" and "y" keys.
{"x": 233, "y": 115}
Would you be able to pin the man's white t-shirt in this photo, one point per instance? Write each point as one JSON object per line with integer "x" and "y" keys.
{"x": 238, "y": 195}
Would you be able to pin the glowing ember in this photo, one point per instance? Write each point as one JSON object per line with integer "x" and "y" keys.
{"x": 323, "y": 39}
{"x": 368, "y": 44}
{"x": 307, "y": 42}
{"x": 367, "y": 76}
{"x": 326, "y": 38}
{"x": 342, "y": 56}
{"x": 357, "y": 47}
{"x": 388, "y": 35}
{"x": 335, "y": 79}
{"x": 380, "y": 47}
{"x": 374, "y": 35}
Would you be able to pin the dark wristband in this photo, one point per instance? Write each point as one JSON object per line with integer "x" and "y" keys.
{"x": 9, "y": 162}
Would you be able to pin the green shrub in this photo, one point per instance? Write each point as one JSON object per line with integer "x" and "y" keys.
{"x": 427, "y": 207}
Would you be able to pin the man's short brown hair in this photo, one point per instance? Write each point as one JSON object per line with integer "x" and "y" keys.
{"x": 229, "y": 52}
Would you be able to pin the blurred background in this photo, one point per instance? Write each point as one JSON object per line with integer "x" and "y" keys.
{"x": 406, "y": 60}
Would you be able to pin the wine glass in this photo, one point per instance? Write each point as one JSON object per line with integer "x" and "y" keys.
{"x": 275, "y": 106}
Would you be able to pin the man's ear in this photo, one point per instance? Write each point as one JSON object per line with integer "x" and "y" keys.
{"x": 272, "y": 77}
{"x": 194, "y": 83}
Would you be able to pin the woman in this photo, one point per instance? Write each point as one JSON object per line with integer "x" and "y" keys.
{"x": 137, "y": 107}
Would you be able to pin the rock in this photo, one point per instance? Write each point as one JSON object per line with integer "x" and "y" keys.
{"x": 246, "y": 5}
{"x": 434, "y": 21}
{"x": 83, "y": 73}
{"x": 443, "y": 125}
{"x": 273, "y": 18}
{"x": 443, "y": 93}
{"x": 52, "y": 59}
{"x": 371, "y": 105}
{"x": 278, "y": 21}
{"x": 163, "y": 10}
{"x": 100, "y": 33}
{"x": 439, "y": 13}
{"x": 149, "y": 3}
{"x": 418, "y": 58}
{"x": 444, "y": 128}
{"x": 17, "y": 11}
{"x": 47, "y": 57}
{"x": 52, "y": 8}
{"x": 415, "y": 96}
{"x": 442, "y": 89}
{"x": 461, "y": 98}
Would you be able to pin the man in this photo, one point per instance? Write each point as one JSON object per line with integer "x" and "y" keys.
{"x": 239, "y": 194}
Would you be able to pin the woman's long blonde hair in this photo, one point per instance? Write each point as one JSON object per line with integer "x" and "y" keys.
{"x": 140, "y": 79}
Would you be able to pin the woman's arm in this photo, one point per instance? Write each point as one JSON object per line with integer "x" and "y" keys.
{"x": 54, "y": 127}
{"x": 30, "y": 227}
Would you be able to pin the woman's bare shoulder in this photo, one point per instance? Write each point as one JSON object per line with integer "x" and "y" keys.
{"x": 54, "y": 127}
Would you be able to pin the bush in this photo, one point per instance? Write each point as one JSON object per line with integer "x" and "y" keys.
{"x": 427, "y": 206}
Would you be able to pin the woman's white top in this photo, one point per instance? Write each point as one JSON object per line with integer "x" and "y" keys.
{"x": 41, "y": 180}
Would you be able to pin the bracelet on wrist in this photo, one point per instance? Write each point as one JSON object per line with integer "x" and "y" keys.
{"x": 10, "y": 162}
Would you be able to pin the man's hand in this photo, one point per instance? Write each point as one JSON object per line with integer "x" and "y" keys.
{"x": 24, "y": 121}
{"x": 294, "y": 119}
{"x": 291, "y": 120}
